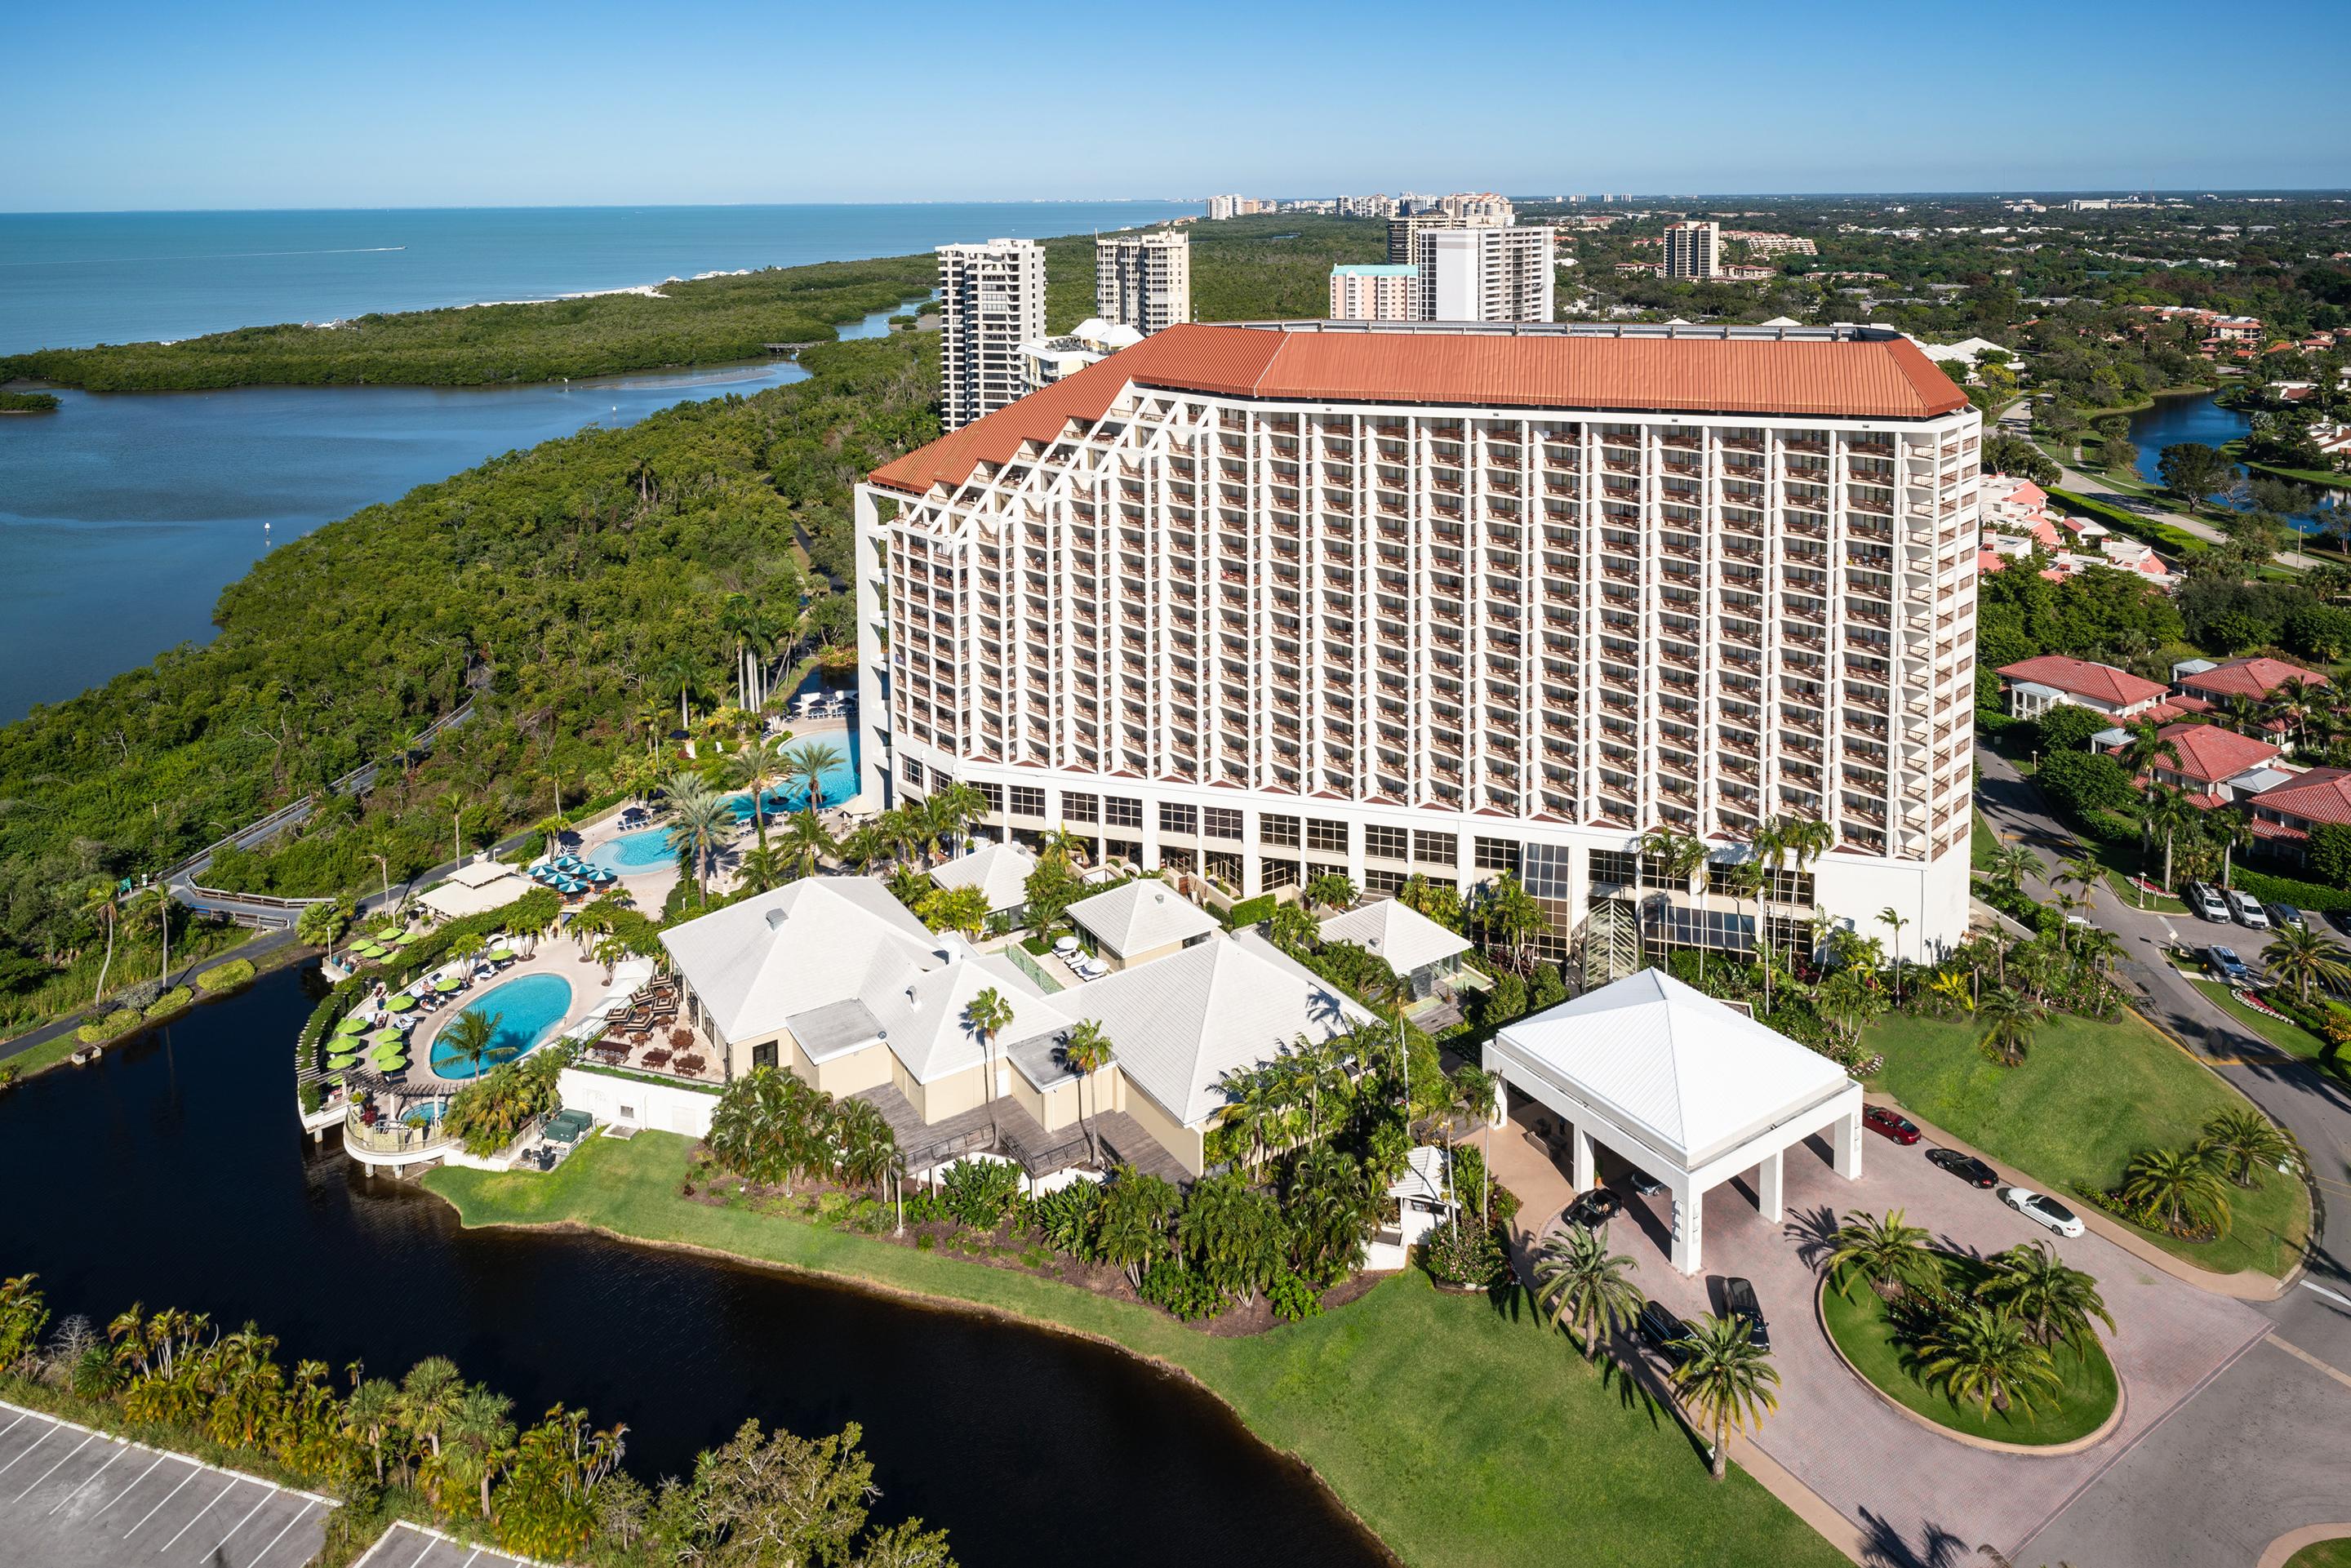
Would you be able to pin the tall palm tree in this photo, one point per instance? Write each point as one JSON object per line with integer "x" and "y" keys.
{"x": 1988, "y": 1355}
{"x": 1088, "y": 1052}
{"x": 805, "y": 844}
{"x": 701, "y": 821}
{"x": 2008, "y": 867}
{"x": 758, "y": 766}
{"x": 2009, "y": 1019}
{"x": 453, "y": 804}
{"x": 1578, "y": 1278}
{"x": 2169, "y": 812}
{"x": 2054, "y": 1300}
{"x": 154, "y": 905}
{"x": 2181, "y": 1187}
{"x": 472, "y": 1035}
{"x": 103, "y": 899}
{"x": 2302, "y": 955}
{"x": 2233, "y": 831}
{"x": 1725, "y": 1379}
{"x": 808, "y": 762}
{"x": 988, "y": 1015}
{"x": 680, "y": 674}
{"x": 1679, "y": 857}
{"x": 1894, "y": 920}
{"x": 1890, "y": 1253}
{"x": 2144, "y": 745}
{"x": 2245, "y": 1139}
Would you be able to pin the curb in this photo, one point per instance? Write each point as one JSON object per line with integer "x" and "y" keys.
{"x": 2277, "y": 1553}
{"x": 2106, "y": 1429}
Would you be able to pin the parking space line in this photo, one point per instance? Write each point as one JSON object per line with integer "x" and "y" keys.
{"x": 299, "y": 1515}
{"x": 101, "y": 1470}
{"x": 240, "y": 1524}
{"x": 193, "y": 1471}
{"x": 29, "y": 1447}
{"x": 53, "y": 1470}
{"x": 133, "y": 1486}
{"x": 192, "y": 1522}
{"x": 13, "y": 1424}
{"x": 429, "y": 1545}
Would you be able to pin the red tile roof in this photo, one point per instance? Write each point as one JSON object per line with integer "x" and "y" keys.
{"x": 2208, "y": 753}
{"x": 2321, "y": 795}
{"x": 2100, "y": 682}
{"x": 2255, "y": 677}
{"x": 1866, "y": 378}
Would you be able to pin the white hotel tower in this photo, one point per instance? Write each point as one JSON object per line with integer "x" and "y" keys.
{"x": 1448, "y": 600}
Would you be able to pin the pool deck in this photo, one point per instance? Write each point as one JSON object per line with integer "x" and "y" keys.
{"x": 557, "y": 956}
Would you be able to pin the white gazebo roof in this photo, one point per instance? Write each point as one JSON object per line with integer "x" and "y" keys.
{"x": 1691, "y": 1077}
{"x": 474, "y": 888}
{"x": 999, "y": 871}
{"x": 1142, "y": 915}
{"x": 1388, "y": 928}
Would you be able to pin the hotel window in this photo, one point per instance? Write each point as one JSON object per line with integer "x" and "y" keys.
{"x": 1318, "y": 869}
{"x": 1497, "y": 854}
{"x": 1437, "y": 848}
{"x": 994, "y": 795}
{"x": 1330, "y": 838}
{"x": 1378, "y": 881}
{"x": 1614, "y": 868}
{"x": 1547, "y": 871}
{"x": 1387, "y": 844}
{"x": 911, "y": 771}
{"x": 1076, "y": 807}
{"x": 1028, "y": 800}
{"x": 1120, "y": 811}
{"x": 1178, "y": 819}
{"x": 1220, "y": 823}
{"x": 1273, "y": 873}
{"x": 1279, "y": 832}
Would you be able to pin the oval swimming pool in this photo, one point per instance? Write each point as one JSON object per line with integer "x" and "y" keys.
{"x": 527, "y": 1010}
{"x": 641, "y": 851}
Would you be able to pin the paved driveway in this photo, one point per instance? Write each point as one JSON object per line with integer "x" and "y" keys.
{"x": 71, "y": 1497}
{"x": 1918, "y": 1496}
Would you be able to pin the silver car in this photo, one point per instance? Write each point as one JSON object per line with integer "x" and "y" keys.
{"x": 2247, "y": 909}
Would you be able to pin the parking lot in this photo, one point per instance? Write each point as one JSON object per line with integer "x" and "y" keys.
{"x": 72, "y": 1497}
{"x": 408, "y": 1546}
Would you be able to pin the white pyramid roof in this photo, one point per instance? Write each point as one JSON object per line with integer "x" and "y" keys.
{"x": 1674, "y": 1065}
{"x": 1391, "y": 929}
{"x": 999, "y": 871}
{"x": 1141, "y": 915}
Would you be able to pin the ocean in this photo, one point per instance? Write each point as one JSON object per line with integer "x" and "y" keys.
{"x": 123, "y": 515}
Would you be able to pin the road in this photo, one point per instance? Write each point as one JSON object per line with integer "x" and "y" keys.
{"x": 2098, "y": 489}
{"x": 2233, "y": 1468}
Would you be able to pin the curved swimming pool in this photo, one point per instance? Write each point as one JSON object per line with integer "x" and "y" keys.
{"x": 641, "y": 851}
{"x": 527, "y": 1010}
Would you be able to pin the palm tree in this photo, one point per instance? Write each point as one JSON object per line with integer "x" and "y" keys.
{"x": 154, "y": 905}
{"x": 2233, "y": 831}
{"x": 1725, "y": 1379}
{"x": 1890, "y": 1253}
{"x": 2168, "y": 811}
{"x": 677, "y": 673}
{"x": 1577, "y": 1277}
{"x": 480, "y": 1432}
{"x": 1983, "y": 1353}
{"x": 428, "y": 1398}
{"x": 988, "y": 1015}
{"x": 2181, "y": 1187}
{"x": 763, "y": 867}
{"x": 102, "y": 898}
{"x": 452, "y": 804}
{"x": 2145, "y": 746}
{"x": 1088, "y": 1052}
{"x": 1679, "y": 857}
{"x": 1893, "y": 921}
{"x": 371, "y": 1414}
{"x": 2244, "y": 1140}
{"x": 2009, "y": 1021}
{"x": 757, "y": 764}
{"x": 808, "y": 762}
{"x": 702, "y": 821}
{"x": 472, "y": 1034}
{"x": 805, "y": 844}
{"x": 2302, "y": 954}
{"x": 2054, "y": 1300}
{"x": 2009, "y": 866}
{"x": 1470, "y": 1092}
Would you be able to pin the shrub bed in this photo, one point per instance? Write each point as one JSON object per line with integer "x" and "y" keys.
{"x": 226, "y": 977}
{"x": 108, "y": 1028}
{"x": 174, "y": 1001}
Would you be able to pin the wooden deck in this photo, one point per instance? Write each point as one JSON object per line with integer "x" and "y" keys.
{"x": 1003, "y": 1126}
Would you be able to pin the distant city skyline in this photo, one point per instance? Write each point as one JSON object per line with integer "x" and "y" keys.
{"x": 149, "y": 106}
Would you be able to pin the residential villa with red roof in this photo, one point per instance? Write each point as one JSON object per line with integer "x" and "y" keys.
{"x": 2037, "y": 684}
{"x": 2257, "y": 678}
{"x": 2217, "y": 765}
{"x": 2285, "y": 815}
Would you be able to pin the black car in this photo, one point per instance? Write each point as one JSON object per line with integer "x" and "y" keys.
{"x": 1967, "y": 1167}
{"x": 1595, "y": 1208}
{"x": 1739, "y": 1301}
{"x": 1665, "y": 1332}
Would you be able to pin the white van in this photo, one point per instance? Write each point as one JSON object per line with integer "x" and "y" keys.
{"x": 2247, "y": 909}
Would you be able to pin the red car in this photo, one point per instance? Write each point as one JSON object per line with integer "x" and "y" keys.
{"x": 1887, "y": 1123}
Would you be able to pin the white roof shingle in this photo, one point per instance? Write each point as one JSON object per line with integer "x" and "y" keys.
{"x": 1388, "y": 928}
{"x": 1141, "y": 915}
{"x": 813, "y": 942}
{"x": 999, "y": 871}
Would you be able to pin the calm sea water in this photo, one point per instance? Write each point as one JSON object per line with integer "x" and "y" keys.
{"x": 123, "y": 517}
{"x": 72, "y": 278}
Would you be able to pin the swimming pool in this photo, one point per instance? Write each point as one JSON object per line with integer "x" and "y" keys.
{"x": 528, "y": 1010}
{"x": 641, "y": 851}
{"x": 834, "y": 785}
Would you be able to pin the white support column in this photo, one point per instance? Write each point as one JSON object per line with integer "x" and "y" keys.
{"x": 1585, "y": 1175}
{"x": 1689, "y": 1219}
{"x": 1845, "y": 1132}
{"x": 1769, "y": 1200}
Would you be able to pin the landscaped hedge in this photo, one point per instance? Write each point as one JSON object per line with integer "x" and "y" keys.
{"x": 100, "y": 1029}
{"x": 1250, "y": 910}
{"x": 2146, "y": 531}
{"x": 226, "y": 977}
{"x": 534, "y": 911}
{"x": 2286, "y": 889}
{"x": 171, "y": 1001}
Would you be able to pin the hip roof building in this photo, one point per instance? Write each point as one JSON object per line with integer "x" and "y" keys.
{"x": 1262, "y": 602}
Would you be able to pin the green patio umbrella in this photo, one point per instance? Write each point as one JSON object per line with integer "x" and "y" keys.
{"x": 368, "y": 950}
{"x": 352, "y": 1024}
{"x": 500, "y": 955}
{"x": 401, "y": 1003}
{"x": 387, "y": 1037}
{"x": 340, "y": 1061}
{"x": 447, "y": 982}
{"x": 405, "y": 938}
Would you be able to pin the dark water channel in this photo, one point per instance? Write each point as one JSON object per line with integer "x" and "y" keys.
{"x": 173, "y": 1173}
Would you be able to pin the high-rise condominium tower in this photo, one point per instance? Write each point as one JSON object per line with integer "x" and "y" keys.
{"x": 1693, "y": 250}
{"x": 1483, "y": 275}
{"x": 993, "y": 300}
{"x": 1448, "y": 601}
{"x": 1144, "y": 280}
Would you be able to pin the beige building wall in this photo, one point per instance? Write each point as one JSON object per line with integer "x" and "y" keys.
{"x": 1184, "y": 1143}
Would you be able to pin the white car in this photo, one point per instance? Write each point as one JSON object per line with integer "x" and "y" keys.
{"x": 2206, "y": 903}
{"x": 2041, "y": 1209}
{"x": 2247, "y": 909}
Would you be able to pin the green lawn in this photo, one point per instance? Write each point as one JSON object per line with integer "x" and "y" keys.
{"x": 47, "y": 1054}
{"x": 1461, "y": 1433}
{"x": 2088, "y": 1096}
{"x": 1982, "y": 842}
{"x": 1862, "y": 1329}
{"x": 2289, "y": 1036}
{"x": 2336, "y": 1554}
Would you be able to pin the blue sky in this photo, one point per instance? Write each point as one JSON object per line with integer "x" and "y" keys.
{"x": 247, "y": 105}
